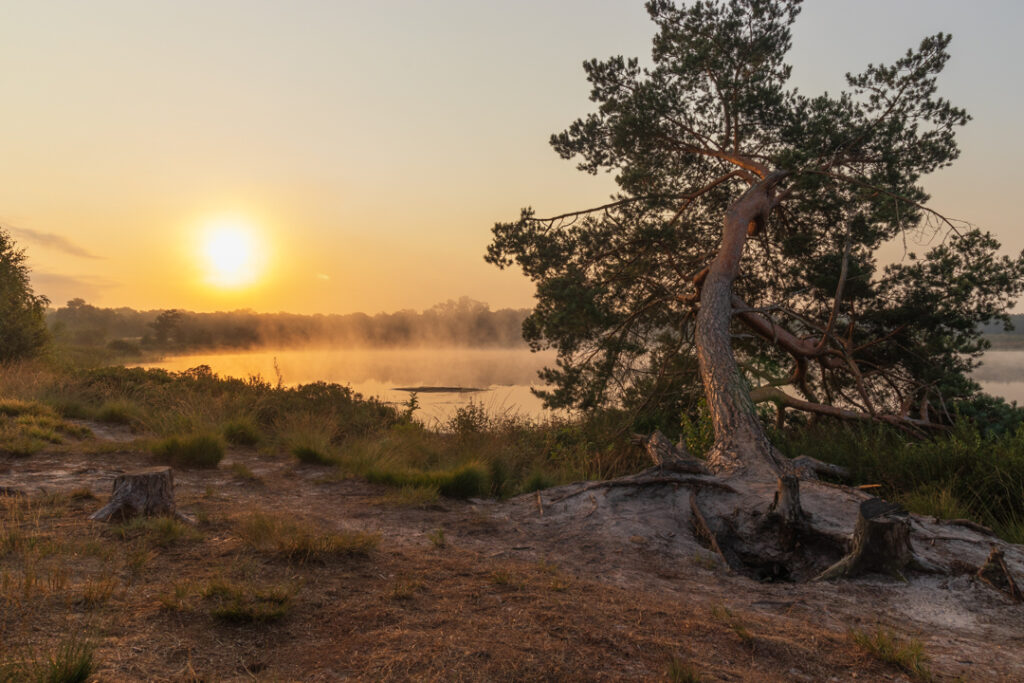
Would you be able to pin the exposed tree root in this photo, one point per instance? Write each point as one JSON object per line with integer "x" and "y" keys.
{"x": 649, "y": 477}
{"x": 996, "y": 574}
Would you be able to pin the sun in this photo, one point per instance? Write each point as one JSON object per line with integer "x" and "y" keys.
{"x": 233, "y": 253}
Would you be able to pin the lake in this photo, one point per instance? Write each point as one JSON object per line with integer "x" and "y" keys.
{"x": 504, "y": 376}
{"x": 1002, "y": 374}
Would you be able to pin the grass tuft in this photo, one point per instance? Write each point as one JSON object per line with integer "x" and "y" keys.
{"x": 300, "y": 542}
{"x": 158, "y": 531}
{"x": 679, "y": 671}
{"x": 883, "y": 645}
{"x": 242, "y": 432}
{"x": 242, "y": 603}
{"x": 201, "y": 451}
{"x": 118, "y": 411}
{"x": 71, "y": 662}
{"x": 310, "y": 455}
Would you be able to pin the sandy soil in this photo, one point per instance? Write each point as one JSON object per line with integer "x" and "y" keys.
{"x": 592, "y": 587}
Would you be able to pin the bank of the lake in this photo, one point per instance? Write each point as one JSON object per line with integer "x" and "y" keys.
{"x": 504, "y": 376}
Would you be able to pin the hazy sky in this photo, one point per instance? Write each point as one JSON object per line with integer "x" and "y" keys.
{"x": 366, "y": 148}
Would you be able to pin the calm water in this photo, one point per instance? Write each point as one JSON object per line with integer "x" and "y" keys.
{"x": 1002, "y": 374}
{"x": 504, "y": 375}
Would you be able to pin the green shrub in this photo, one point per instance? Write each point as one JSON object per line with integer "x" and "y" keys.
{"x": 538, "y": 481}
{"x": 242, "y": 432}
{"x": 118, "y": 412}
{"x": 309, "y": 455}
{"x": 468, "y": 481}
{"x": 200, "y": 451}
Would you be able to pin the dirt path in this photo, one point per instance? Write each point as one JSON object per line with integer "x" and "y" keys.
{"x": 591, "y": 587}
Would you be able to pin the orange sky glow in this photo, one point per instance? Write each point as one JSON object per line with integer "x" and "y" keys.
{"x": 335, "y": 157}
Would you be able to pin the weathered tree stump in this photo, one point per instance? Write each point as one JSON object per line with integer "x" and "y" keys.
{"x": 881, "y": 543}
{"x": 148, "y": 492}
{"x": 996, "y": 574}
{"x": 786, "y": 505}
{"x": 668, "y": 456}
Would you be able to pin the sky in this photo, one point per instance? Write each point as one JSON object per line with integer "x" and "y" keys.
{"x": 353, "y": 155}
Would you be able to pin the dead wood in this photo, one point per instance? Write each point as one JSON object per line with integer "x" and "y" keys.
{"x": 881, "y": 544}
{"x": 668, "y": 456}
{"x": 996, "y": 574}
{"x": 712, "y": 530}
{"x": 148, "y": 492}
{"x": 786, "y": 505}
{"x": 811, "y": 468}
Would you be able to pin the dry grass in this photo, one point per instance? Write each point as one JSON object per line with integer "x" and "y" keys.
{"x": 302, "y": 542}
{"x": 906, "y": 655}
{"x": 284, "y": 597}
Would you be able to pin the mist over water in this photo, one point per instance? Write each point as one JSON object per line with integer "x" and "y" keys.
{"x": 505, "y": 375}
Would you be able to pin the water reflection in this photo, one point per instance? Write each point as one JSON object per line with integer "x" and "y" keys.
{"x": 506, "y": 375}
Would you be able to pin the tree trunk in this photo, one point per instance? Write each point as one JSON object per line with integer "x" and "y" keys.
{"x": 148, "y": 492}
{"x": 740, "y": 442}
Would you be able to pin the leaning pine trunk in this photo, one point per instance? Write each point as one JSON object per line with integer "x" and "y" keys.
{"x": 741, "y": 444}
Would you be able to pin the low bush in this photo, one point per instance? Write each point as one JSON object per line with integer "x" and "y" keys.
{"x": 118, "y": 412}
{"x": 242, "y": 432}
{"x": 200, "y": 451}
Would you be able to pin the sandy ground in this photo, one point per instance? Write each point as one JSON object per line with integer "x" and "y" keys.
{"x": 597, "y": 586}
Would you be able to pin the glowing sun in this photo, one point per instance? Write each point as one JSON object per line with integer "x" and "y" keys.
{"x": 233, "y": 254}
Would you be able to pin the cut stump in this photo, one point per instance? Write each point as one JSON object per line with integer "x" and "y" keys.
{"x": 881, "y": 543}
{"x": 148, "y": 492}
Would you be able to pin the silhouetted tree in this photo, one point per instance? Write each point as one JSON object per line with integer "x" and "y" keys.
{"x": 22, "y": 324}
{"x": 741, "y": 247}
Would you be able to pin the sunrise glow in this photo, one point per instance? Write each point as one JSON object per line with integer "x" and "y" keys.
{"x": 233, "y": 254}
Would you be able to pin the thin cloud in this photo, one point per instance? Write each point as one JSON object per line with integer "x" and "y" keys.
{"x": 61, "y": 288}
{"x": 49, "y": 239}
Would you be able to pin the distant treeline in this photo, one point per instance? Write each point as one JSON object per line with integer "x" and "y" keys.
{"x": 454, "y": 323}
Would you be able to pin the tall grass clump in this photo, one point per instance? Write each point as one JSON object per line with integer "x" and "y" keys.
{"x": 71, "y": 662}
{"x": 200, "y": 451}
{"x": 242, "y": 432}
{"x": 118, "y": 411}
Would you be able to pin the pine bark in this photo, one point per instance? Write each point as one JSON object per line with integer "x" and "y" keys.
{"x": 741, "y": 445}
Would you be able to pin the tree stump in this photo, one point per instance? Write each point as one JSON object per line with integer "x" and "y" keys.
{"x": 668, "y": 456}
{"x": 996, "y": 574}
{"x": 148, "y": 492}
{"x": 881, "y": 543}
{"x": 787, "y": 502}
